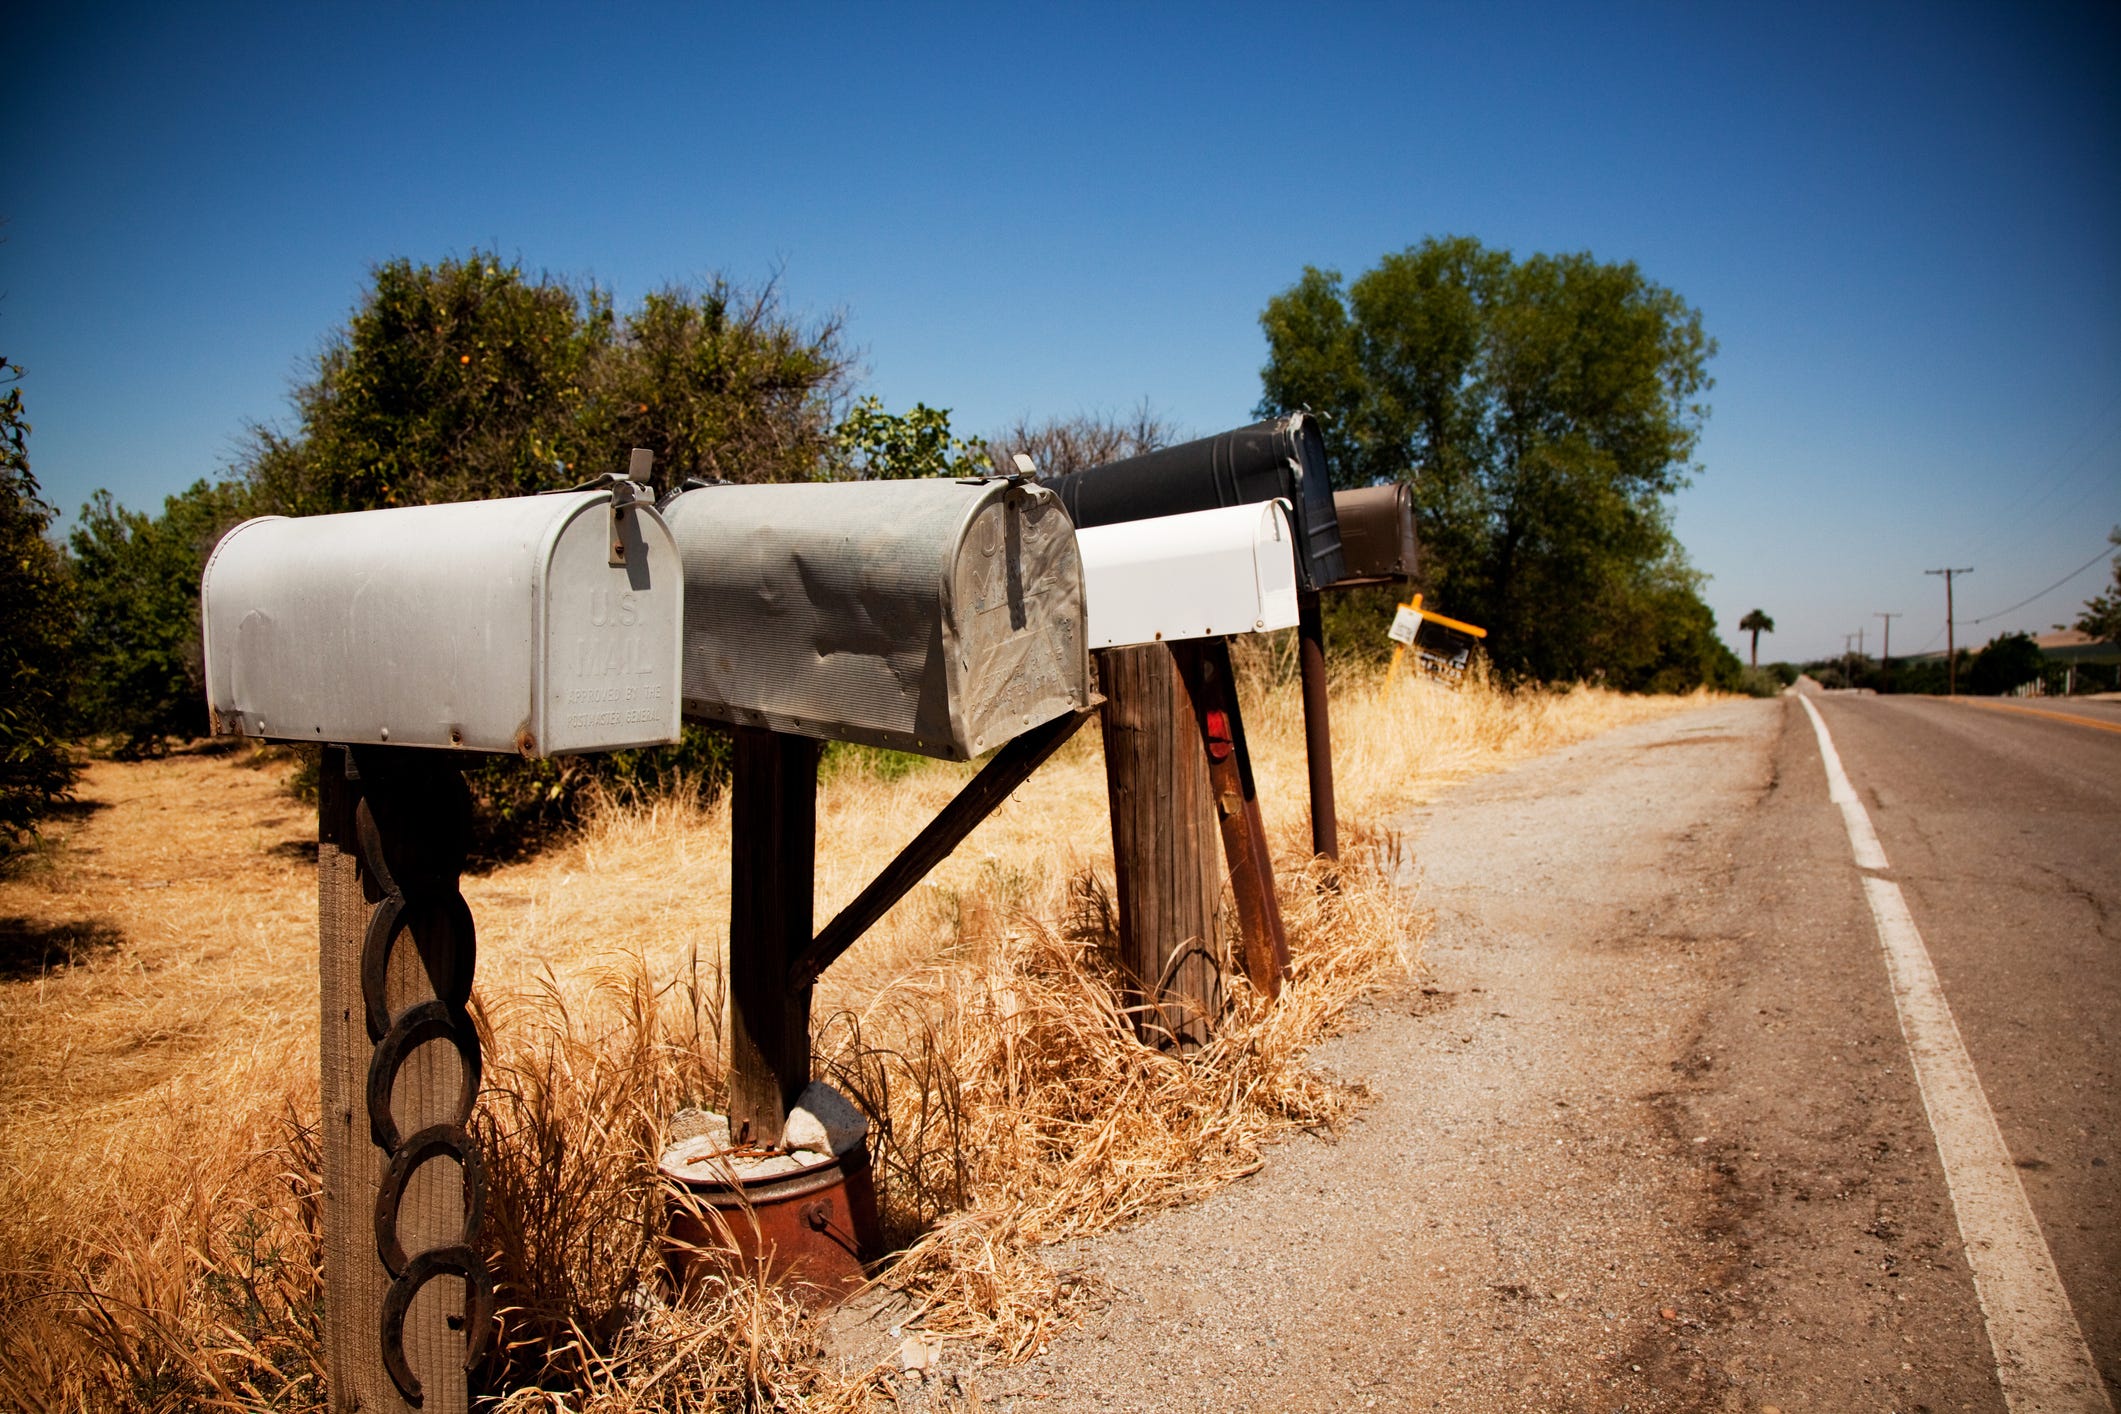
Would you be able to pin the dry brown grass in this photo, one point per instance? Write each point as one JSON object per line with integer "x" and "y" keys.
{"x": 159, "y": 1205}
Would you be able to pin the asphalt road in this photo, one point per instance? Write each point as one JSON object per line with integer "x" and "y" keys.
{"x": 2003, "y": 824}
{"x": 1649, "y": 1138}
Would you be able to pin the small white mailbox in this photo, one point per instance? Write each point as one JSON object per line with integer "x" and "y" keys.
{"x": 939, "y": 616}
{"x": 540, "y": 625}
{"x": 1205, "y": 574}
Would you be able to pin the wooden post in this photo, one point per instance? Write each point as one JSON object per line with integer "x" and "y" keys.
{"x": 1168, "y": 884}
{"x": 1318, "y": 729}
{"x": 407, "y": 1300}
{"x": 1205, "y": 665}
{"x": 772, "y": 873}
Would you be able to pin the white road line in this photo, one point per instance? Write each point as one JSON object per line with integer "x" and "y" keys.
{"x": 2042, "y": 1361}
{"x": 1869, "y": 853}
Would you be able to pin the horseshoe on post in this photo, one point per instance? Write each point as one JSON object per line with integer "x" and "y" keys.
{"x": 459, "y": 1261}
{"x": 454, "y": 917}
{"x": 427, "y": 1021}
{"x": 375, "y": 964}
{"x": 436, "y": 1139}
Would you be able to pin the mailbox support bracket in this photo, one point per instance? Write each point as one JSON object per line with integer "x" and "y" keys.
{"x": 1010, "y": 767}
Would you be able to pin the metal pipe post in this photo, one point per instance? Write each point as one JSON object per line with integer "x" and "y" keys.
{"x": 1318, "y": 728}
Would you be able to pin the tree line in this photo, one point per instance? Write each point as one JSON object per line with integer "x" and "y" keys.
{"x": 1543, "y": 409}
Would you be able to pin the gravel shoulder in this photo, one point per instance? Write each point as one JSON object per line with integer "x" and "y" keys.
{"x": 1642, "y": 1137}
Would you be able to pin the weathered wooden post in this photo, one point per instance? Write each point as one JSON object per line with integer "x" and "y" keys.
{"x": 397, "y": 639}
{"x": 409, "y": 1300}
{"x": 1204, "y": 665}
{"x": 1168, "y": 882}
{"x": 772, "y": 872}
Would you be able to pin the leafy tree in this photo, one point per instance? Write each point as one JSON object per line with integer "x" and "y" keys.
{"x": 719, "y": 382}
{"x": 2009, "y": 661}
{"x": 876, "y": 445}
{"x": 1756, "y": 622}
{"x": 36, "y": 635}
{"x": 1543, "y": 410}
{"x": 451, "y": 381}
{"x": 2102, "y": 612}
{"x": 1662, "y": 637}
{"x": 141, "y": 672}
{"x": 468, "y": 378}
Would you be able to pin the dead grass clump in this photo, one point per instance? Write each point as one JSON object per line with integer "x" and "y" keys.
{"x": 211, "y": 1295}
{"x": 1060, "y": 1123}
{"x": 734, "y": 1345}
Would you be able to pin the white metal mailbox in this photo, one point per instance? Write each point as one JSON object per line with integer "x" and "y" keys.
{"x": 938, "y": 616}
{"x": 1205, "y": 574}
{"x": 535, "y": 624}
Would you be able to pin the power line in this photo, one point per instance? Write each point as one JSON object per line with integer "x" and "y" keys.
{"x": 2105, "y": 554}
{"x": 2061, "y": 468}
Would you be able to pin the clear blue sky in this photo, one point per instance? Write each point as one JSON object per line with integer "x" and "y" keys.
{"x": 1900, "y": 222}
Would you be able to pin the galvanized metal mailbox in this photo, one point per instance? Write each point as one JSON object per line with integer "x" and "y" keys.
{"x": 1207, "y": 574}
{"x": 937, "y": 616}
{"x": 539, "y": 625}
{"x": 1282, "y": 459}
{"x": 1377, "y": 538}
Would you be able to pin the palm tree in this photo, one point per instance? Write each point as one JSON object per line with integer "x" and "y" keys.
{"x": 1756, "y": 623}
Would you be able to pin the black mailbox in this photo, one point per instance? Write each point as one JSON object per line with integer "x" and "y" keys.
{"x": 1377, "y": 539}
{"x": 1282, "y": 459}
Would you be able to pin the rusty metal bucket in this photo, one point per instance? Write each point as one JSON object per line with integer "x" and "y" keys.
{"x": 813, "y": 1230}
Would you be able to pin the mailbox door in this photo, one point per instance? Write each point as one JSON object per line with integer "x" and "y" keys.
{"x": 936, "y": 616}
{"x": 1206, "y": 574}
{"x": 1377, "y": 533}
{"x": 1017, "y": 612}
{"x": 482, "y": 626}
{"x": 613, "y": 636}
{"x": 1280, "y": 459}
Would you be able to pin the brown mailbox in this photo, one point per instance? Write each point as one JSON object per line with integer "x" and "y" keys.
{"x": 1377, "y": 538}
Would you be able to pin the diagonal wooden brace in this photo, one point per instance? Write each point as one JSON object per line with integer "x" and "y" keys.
{"x": 1205, "y": 665}
{"x": 1009, "y": 768}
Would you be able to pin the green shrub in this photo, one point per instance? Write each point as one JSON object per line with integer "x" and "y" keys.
{"x": 36, "y": 636}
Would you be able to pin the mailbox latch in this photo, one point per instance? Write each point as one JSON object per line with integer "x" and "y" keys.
{"x": 628, "y": 493}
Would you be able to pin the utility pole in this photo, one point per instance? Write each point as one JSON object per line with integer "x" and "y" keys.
{"x": 1885, "y": 654}
{"x": 1951, "y": 647}
{"x": 1848, "y": 660}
